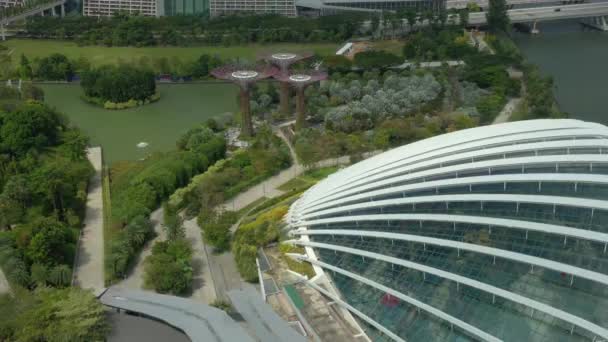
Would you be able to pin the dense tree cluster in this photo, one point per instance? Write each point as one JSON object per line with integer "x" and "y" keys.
{"x": 118, "y": 83}
{"x": 266, "y": 156}
{"x": 371, "y": 103}
{"x": 43, "y": 180}
{"x": 125, "y": 30}
{"x": 47, "y": 314}
{"x": 251, "y": 236}
{"x": 216, "y": 227}
{"x": 139, "y": 187}
{"x": 376, "y": 59}
{"x": 169, "y": 268}
{"x": 444, "y": 44}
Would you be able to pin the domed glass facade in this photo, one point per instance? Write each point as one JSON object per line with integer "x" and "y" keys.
{"x": 496, "y": 233}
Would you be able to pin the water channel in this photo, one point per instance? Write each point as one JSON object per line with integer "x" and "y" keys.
{"x": 577, "y": 58}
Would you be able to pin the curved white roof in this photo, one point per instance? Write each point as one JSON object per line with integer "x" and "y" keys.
{"x": 556, "y": 170}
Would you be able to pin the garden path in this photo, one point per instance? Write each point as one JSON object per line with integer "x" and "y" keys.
{"x": 88, "y": 265}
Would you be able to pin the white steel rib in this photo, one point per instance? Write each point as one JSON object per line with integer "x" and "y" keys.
{"x": 355, "y": 311}
{"x": 536, "y": 199}
{"x": 547, "y": 309}
{"x": 466, "y": 327}
{"x": 454, "y": 169}
{"x": 501, "y": 253}
{"x": 466, "y": 141}
{"x": 479, "y": 180}
{"x": 489, "y": 221}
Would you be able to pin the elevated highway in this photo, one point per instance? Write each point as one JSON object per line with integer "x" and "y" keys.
{"x": 484, "y": 4}
{"x": 538, "y": 14}
{"x": 41, "y": 9}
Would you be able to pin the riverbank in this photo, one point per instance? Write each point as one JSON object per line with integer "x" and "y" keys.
{"x": 575, "y": 56}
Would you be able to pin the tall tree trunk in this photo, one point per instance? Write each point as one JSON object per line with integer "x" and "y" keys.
{"x": 284, "y": 97}
{"x": 300, "y": 109}
{"x": 246, "y": 124}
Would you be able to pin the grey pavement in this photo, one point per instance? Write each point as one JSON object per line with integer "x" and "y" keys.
{"x": 4, "y": 287}
{"x": 203, "y": 287}
{"x": 507, "y": 111}
{"x": 135, "y": 278}
{"x": 88, "y": 266}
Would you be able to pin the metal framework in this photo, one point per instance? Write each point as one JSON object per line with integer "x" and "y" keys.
{"x": 283, "y": 60}
{"x": 491, "y": 226}
{"x": 244, "y": 77}
{"x": 300, "y": 81}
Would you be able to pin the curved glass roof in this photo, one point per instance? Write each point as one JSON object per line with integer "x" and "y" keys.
{"x": 491, "y": 233}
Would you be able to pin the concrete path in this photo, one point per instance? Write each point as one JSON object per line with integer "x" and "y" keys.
{"x": 203, "y": 287}
{"x": 88, "y": 266}
{"x": 4, "y": 287}
{"x": 135, "y": 278}
{"x": 506, "y": 112}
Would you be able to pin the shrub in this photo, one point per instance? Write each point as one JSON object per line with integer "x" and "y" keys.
{"x": 169, "y": 268}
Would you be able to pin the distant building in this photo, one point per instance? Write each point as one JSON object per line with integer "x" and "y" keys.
{"x": 11, "y": 3}
{"x": 109, "y": 7}
{"x": 181, "y": 7}
{"x": 224, "y": 7}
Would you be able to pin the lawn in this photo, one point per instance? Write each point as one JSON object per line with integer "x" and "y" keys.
{"x": 105, "y": 55}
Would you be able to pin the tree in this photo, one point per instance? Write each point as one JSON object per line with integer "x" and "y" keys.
{"x": 32, "y": 126}
{"x": 173, "y": 223}
{"x": 55, "y": 67}
{"x": 51, "y": 243}
{"x": 216, "y": 228}
{"x": 25, "y": 69}
{"x": 169, "y": 268}
{"x": 70, "y": 314}
{"x": 497, "y": 17}
{"x": 463, "y": 16}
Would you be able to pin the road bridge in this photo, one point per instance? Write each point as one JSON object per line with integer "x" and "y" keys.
{"x": 594, "y": 12}
{"x": 56, "y": 7}
{"x": 460, "y": 4}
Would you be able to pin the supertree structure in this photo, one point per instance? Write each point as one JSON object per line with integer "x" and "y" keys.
{"x": 244, "y": 77}
{"x": 300, "y": 81}
{"x": 283, "y": 60}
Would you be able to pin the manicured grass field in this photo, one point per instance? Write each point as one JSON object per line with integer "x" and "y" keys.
{"x": 105, "y": 55}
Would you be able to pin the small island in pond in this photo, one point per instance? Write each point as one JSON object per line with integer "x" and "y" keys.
{"x": 119, "y": 87}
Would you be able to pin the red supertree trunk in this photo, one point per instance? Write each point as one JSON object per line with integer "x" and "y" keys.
{"x": 247, "y": 125}
{"x": 284, "y": 97}
{"x": 300, "y": 109}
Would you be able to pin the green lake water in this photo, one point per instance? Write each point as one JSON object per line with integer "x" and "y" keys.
{"x": 159, "y": 124}
{"x": 577, "y": 58}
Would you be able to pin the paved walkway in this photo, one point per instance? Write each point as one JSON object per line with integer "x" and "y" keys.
{"x": 4, "y": 287}
{"x": 203, "y": 287}
{"x": 88, "y": 266}
{"x": 506, "y": 112}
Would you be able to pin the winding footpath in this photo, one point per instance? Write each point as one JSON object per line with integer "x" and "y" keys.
{"x": 88, "y": 265}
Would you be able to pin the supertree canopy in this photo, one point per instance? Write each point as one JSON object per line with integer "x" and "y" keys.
{"x": 244, "y": 77}
{"x": 283, "y": 60}
{"x": 300, "y": 81}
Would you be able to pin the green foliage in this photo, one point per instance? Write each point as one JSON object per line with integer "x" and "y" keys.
{"x": 140, "y": 187}
{"x": 448, "y": 43}
{"x": 216, "y": 228}
{"x": 337, "y": 63}
{"x": 249, "y": 237}
{"x": 539, "y": 95}
{"x": 32, "y": 126}
{"x": 70, "y": 314}
{"x": 304, "y": 268}
{"x": 490, "y": 106}
{"x": 50, "y": 243}
{"x": 169, "y": 268}
{"x": 497, "y": 17}
{"x": 125, "y": 30}
{"x": 173, "y": 223}
{"x": 119, "y": 84}
{"x": 266, "y": 156}
{"x": 376, "y": 59}
{"x": 55, "y": 67}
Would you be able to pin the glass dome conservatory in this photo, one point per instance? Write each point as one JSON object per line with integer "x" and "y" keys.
{"x": 496, "y": 233}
